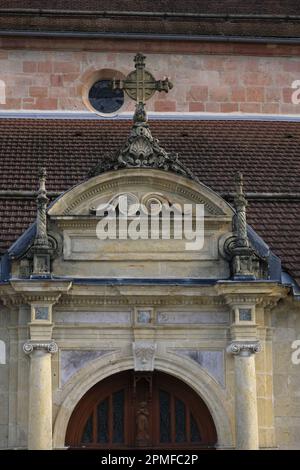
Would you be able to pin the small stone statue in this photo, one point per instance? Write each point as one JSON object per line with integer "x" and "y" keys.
{"x": 142, "y": 423}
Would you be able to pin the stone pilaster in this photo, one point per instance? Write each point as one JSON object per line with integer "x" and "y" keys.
{"x": 40, "y": 394}
{"x": 40, "y": 295}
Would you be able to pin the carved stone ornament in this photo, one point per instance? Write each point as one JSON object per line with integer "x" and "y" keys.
{"x": 244, "y": 348}
{"x": 141, "y": 150}
{"x": 144, "y": 354}
{"x": 245, "y": 262}
{"x": 50, "y": 347}
{"x": 142, "y": 423}
{"x": 36, "y": 261}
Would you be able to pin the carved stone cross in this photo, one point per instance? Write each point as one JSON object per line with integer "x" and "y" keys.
{"x": 140, "y": 84}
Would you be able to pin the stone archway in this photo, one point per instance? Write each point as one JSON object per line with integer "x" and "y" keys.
{"x": 197, "y": 379}
{"x": 141, "y": 410}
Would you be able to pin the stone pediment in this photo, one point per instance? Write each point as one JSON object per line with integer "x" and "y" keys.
{"x": 162, "y": 251}
{"x": 142, "y": 184}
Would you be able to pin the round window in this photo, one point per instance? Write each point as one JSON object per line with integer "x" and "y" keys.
{"x": 104, "y": 99}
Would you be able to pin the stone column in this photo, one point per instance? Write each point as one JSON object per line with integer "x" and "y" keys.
{"x": 245, "y": 394}
{"x": 40, "y": 394}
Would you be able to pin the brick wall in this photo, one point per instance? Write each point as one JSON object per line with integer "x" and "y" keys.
{"x": 53, "y": 80}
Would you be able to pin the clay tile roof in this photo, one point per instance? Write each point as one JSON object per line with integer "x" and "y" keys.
{"x": 267, "y": 152}
{"x": 216, "y": 18}
{"x": 284, "y": 7}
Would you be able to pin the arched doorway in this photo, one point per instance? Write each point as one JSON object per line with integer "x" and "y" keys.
{"x": 141, "y": 410}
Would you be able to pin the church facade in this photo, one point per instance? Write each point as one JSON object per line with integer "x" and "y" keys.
{"x": 149, "y": 292}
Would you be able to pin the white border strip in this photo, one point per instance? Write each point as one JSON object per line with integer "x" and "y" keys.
{"x": 188, "y": 116}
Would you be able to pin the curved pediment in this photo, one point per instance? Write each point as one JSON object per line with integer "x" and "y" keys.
{"x": 142, "y": 184}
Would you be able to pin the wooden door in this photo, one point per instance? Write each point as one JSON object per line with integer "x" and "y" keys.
{"x": 141, "y": 410}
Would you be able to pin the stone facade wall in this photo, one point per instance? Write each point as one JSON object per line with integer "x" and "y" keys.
{"x": 286, "y": 323}
{"x": 203, "y": 82}
{"x": 4, "y": 378}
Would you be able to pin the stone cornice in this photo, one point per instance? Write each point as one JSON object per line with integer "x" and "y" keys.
{"x": 46, "y": 291}
{"x": 9, "y": 297}
{"x": 259, "y": 293}
{"x": 262, "y": 294}
{"x": 18, "y": 292}
{"x": 37, "y": 286}
{"x": 132, "y": 300}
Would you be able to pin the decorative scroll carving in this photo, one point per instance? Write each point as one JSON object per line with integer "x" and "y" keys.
{"x": 244, "y": 348}
{"x": 144, "y": 354}
{"x": 50, "y": 347}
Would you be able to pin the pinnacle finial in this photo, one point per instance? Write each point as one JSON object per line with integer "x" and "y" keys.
{"x": 141, "y": 149}
{"x": 42, "y": 200}
{"x": 239, "y": 182}
{"x": 140, "y": 115}
{"x": 42, "y": 172}
{"x": 139, "y": 60}
{"x": 42, "y": 183}
{"x": 240, "y": 204}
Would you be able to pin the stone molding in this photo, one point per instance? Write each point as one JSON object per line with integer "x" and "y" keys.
{"x": 49, "y": 347}
{"x": 43, "y": 297}
{"x": 131, "y": 300}
{"x": 159, "y": 180}
{"x": 244, "y": 348}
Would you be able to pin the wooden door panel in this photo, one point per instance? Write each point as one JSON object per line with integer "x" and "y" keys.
{"x": 141, "y": 410}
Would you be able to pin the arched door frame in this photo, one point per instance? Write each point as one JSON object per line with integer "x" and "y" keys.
{"x": 211, "y": 393}
{"x": 141, "y": 399}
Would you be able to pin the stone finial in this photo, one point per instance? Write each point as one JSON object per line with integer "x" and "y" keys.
{"x": 141, "y": 150}
{"x": 41, "y": 237}
{"x": 139, "y": 60}
{"x": 246, "y": 261}
{"x": 240, "y": 204}
{"x": 240, "y": 251}
{"x": 41, "y": 247}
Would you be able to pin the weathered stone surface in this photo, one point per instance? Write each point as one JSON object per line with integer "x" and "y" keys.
{"x": 211, "y": 361}
{"x": 192, "y": 317}
{"x": 72, "y": 361}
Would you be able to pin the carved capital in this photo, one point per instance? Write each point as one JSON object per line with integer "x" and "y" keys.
{"x": 49, "y": 347}
{"x": 144, "y": 354}
{"x": 244, "y": 348}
